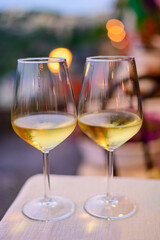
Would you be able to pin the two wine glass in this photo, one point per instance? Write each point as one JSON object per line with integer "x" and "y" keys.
{"x": 44, "y": 114}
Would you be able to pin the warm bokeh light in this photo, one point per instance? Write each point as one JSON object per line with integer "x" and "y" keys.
{"x": 120, "y": 45}
{"x": 60, "y": 52}
{"x": 115, "y": 30}
{"x": 114, "y": 22}
{"x": 116, "y": 33}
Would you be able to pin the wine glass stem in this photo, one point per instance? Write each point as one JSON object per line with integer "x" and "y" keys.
{"x": 109, "y": 174}
{"x": 46, "y": 172}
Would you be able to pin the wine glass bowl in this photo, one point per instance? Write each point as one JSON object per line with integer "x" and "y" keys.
{"x": 44, "y": 114}
{"x": 110, "y": 113}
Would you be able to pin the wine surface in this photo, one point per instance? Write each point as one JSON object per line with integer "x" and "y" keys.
{"x": 110, "y": 129}
{"x": 44, "y": 131}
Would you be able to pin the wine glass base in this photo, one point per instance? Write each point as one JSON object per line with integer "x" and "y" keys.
{"x": 53, "y": 209}
{"x": 117, "y": 208}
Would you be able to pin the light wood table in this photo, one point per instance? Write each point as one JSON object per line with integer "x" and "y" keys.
{"x": 143, "y": 225}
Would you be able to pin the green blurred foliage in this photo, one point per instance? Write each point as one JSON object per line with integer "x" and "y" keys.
{"x": 40, "y": 42}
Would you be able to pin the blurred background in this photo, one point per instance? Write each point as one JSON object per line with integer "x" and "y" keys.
{"x": 76, "y": 30}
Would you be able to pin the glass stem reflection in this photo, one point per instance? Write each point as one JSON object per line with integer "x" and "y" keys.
{"x": 109, "y": 174}
{"x": 46, "y": 171}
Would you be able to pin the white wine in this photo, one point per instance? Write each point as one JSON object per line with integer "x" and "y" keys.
{"x": 110, "y": 129}
{"x": 44, "y": 131}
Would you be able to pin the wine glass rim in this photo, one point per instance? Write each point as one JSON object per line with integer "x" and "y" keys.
{"x": 41, "y": 60}
{"x": 110, "y": 58}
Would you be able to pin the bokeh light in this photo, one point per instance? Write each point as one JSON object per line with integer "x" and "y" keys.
{"x": 59, "y": 52}
{"x": 120, "y": 45}
{"x": 116, "y": 33}
{"x": 114, "y": 22}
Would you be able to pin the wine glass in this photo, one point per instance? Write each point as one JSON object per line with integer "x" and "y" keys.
{"x": 44, "y": 114}
{"x": 110, "y": 113}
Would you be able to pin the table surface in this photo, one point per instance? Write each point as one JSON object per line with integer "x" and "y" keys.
{"x": 144, "y": 224}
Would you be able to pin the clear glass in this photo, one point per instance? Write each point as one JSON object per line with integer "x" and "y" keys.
{"x": 110, "y": 113}
{"x": 44, "y": 114}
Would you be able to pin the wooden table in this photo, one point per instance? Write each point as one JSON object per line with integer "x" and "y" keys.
{"x": 143, "y": 225}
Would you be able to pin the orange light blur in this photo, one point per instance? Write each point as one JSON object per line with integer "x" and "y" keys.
{"x": 120, "y": 45}
{"x": 116, "y": 33}
{"x": 114, "y": 22}
{"x": 59, "y": 52}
